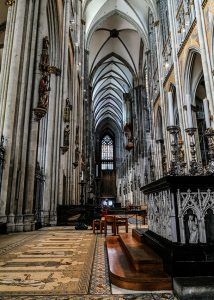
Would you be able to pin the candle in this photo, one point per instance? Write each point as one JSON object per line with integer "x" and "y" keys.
{"x": 206, "y": 112}
{"x": 96, "y": 170}
{"x": 82, "y": 176}
{"x": 189, "y": 111}
{"x": 170, "y": 109}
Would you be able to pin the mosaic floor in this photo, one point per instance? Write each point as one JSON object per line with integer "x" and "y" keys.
{"x": 50, "y": 263}
{"x": 59, "y": 263}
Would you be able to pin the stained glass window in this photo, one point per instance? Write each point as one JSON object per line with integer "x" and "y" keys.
{"x": 107, "y": 153}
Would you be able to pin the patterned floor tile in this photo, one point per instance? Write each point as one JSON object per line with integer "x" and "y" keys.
{"x": 51, "y": 252}
{"x": 100, "y": 278}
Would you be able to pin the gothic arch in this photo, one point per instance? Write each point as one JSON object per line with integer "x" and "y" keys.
{"x": 191, "y": 76}
{"x": 149, "y": 2}
{"x": 159, "y": 125}
{"x": 172, "y": 88}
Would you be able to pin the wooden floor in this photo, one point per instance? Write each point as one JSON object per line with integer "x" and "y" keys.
{"x": 133, "y": 265}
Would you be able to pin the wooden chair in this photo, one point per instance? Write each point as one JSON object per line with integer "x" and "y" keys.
{"x": 109, "y": 221}
{"x": 121, "y": 222}
{"x": 98, "y": 224}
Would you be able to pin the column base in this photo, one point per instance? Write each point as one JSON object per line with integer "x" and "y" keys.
{"x": 3, "y": 219}
{"x": 45, "y": 218}
{"x": 3, "y": 226}
{"x": 53, "y": 219}
{"x": 19, "y": 226}
{"x": 29, "y": 223}
{"x": 10, "y": 223}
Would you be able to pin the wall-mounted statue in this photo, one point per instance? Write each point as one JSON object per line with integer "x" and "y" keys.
{"x": 67, "y": 109}
{"x": 77, "y": 154}
{"x": 44, "y": 90}
{"x": 193, "y": 229}
{"x": 44, "y": 61}
{"x": 77, "y": 136}
{"x": 66, "y": 135}
{"x": 129, "y": 135}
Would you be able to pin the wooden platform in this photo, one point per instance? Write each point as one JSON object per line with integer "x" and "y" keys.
{"x": 133, "y": 265}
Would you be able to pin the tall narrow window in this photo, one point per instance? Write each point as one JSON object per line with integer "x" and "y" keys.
{"x": 107, "y": 153}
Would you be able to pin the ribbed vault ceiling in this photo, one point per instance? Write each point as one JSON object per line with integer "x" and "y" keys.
{"x": 116, "y": 32}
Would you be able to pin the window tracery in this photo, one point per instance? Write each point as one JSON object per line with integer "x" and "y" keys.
{"x": 107, "y": 153}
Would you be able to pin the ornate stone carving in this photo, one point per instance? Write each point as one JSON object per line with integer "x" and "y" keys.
{"x": 77, "y": 136}
{"x": 195, "y": 167}
{"x": 67, "y": 109}
{"x": 54, "y": 70}
{"x": 210, "y": 167}
{"x": 66, "y": 135}
{"x": 193, "y": 229}
{"x": 65, "y": 146}
{"x": 177, "y": 164}
{"x": 9, "y": 2}
{"x": 2, "y": 149}
{"x": 44, "y": 88}
{"x": 160, "y": 212}
{"x": 128, "y": 133}
{"x": 77, "y": 154}
{"x": 196, "y": 204}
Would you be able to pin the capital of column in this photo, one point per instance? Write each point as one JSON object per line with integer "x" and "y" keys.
{"x": 156, "y": 23}
{"x": 10, "y": 2}
{"x": 147, "y": 52}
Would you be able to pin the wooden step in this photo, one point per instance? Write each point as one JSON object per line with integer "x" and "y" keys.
{"x": 123, "y": 274}
{"x": 141, "y": 256}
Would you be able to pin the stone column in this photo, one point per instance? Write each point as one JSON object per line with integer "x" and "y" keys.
{"x": 161, "y": 78}
{"x": 22, "y": 124}
{"x": 34, "y": 128}
{"x": 179, "y": 90}
{"x": 9, "y": 89}
{"x": 63, "y": 96}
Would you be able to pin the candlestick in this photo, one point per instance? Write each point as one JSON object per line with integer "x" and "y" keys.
{"x": 206, "y": 112}
{"x": 195, "y": 167}
{"x": 210, "y": 166}
{"x": 96, "y": 170}
{"x": 189, "y": 111}
{"x": 170, "y": 109}
{"x": 177, "y": 164}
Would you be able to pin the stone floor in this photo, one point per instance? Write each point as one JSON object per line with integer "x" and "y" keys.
{"x": 99, "y": 286}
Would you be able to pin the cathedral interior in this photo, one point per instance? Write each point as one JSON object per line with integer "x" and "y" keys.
{"x": 107, "y": 119}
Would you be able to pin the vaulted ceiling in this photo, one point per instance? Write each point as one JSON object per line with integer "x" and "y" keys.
{"x": 116, "y": 35}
